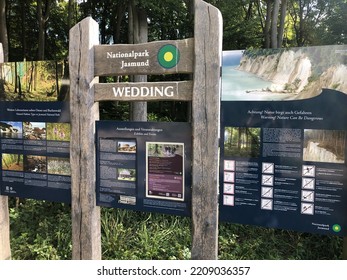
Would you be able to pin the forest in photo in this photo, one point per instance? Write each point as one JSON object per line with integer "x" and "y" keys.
{"x": 324, "y": 145}
{"x": 242, "y": 142}
{"x": 31, "y": 81}
{"x": 13, "y": 162}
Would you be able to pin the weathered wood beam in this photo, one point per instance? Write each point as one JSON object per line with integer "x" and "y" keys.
{"x": 159, "y": 91}
{"x": 116, "y": 60}
{"x": 86, "y": 229}
{"x": 205, "y": 120}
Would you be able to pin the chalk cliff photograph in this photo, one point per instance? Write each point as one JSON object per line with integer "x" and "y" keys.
{"x": 283, "y": 74}
{"x": 324, "y": 145}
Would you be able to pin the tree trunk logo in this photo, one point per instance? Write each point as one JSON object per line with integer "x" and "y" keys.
{"x": 168, "y": 56}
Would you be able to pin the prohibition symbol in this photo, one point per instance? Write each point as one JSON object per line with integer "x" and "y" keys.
{"x": 168, "y": 56}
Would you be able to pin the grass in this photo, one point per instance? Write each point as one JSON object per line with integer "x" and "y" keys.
{"x": 42, "y": 231}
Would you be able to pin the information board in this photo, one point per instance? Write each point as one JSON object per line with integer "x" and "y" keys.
{"x": 35, "y": 131}
{"x": 144, "y": 166}
{"x": 283, "y": 128}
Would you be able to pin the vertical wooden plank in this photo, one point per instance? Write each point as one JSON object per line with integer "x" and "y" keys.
{"x": 5, "y": 248}
{"x": 206, "y": 115}
{"x": 86, "y": 230}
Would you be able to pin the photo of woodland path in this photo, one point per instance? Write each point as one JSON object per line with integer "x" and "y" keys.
{"x": 34, "y": 81}
{"x": 242, "y": 142}
{"x": 324, "y": 145}
{"x": 13, "y": 162}
{"x": 58, "y": 131}
{"x": 58, "y": 166}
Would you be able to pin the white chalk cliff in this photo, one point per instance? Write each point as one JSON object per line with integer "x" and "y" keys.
{"x": 291, "y": 71}
{"x": 315, "y": 153}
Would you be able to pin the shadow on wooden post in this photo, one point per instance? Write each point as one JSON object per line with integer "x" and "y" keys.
{"x": 5, "y": 248}
{"x": 86, "y": 230}
{"x": 205, "y": 119}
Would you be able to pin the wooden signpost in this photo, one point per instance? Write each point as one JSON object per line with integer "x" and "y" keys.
{"x": 199, "y": 56}
{"x": 5, "y": 250}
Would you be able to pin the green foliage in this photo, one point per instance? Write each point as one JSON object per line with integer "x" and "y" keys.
{"x": 134, "y": 235}
{"x": 42, "y": 230}
{"x": 312, "y": 23}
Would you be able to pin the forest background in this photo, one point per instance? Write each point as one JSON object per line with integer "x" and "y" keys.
{"x": 38, "y": 30}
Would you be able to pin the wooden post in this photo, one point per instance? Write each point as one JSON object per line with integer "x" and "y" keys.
{"x": 206, "y": 115}
{"x": 5, "y": 248}
{"x": 86, "y": 230}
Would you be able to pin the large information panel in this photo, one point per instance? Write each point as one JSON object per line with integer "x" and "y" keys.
{"x": 283, "y": 152}
{"x": 144, "y": 166}
{"x": 35, "y": 131}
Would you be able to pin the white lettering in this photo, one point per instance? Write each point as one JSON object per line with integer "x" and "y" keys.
{"x": 154, "y": 91}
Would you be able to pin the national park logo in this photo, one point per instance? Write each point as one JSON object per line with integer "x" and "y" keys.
{"x": 336, "y": 228}
{"x": 168, "y": 56}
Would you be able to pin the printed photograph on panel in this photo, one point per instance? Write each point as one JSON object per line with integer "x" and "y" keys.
{"x": 126, "y": 174}
{"x": 58, "y": 166}
{"x": 13, "y": 162}
{"x": 126, "y": 146}
{"x": 242, "y": 142}
{"x": 34, "y": 130}
{"x": 35, "y": 164}
{"x": 283, "y": 74}
{"x": 324, "y": 145}
{"x": 11, "y": 129}
{"x": 34, "y": 81}
{"x": 58, "y": 131}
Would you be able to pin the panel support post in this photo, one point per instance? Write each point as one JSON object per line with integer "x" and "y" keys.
{"x": 86, "y": 230}
{"x": 5, "y": 248}
{"x": 205, "y": 119}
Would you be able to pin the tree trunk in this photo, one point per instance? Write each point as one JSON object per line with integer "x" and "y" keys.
{"x": 267, "y": 24}
{"x": 282, "y": 23}
{"x": 120, "y": 12}
{"x": 274, "y": 21}
{"x": 71, "y": 9}
{"x": 3, "y": 30}
{"x": 138, "y": 33}
{"x": 24, "y": 44}
{"x": 43, "y": 11}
